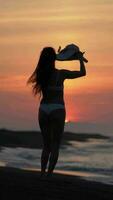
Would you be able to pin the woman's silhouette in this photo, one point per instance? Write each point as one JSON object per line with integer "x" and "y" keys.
{"x": 48, "y": 81}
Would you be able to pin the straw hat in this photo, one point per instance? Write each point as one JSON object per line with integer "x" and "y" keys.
{"x": 69, "y": 53}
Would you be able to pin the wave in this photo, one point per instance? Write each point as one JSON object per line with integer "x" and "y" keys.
{"x": 102, "y": 171}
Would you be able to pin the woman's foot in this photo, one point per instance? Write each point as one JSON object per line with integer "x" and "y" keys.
{"x": 42, "y": 175}
{"x": 49, "y": 175}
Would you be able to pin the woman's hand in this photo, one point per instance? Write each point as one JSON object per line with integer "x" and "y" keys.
{"x": 80, "y": 56}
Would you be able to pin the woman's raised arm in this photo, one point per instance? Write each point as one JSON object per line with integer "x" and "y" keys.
{"x": 67, "y": 74}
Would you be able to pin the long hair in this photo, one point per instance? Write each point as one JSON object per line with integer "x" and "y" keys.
{"x": 41, "y": 75}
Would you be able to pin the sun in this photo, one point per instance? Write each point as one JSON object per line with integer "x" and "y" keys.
{"x": 66, "y": 120}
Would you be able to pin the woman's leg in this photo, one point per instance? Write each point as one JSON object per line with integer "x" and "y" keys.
{"x": 44, "y": 126}
{"x": 57, "y": 121}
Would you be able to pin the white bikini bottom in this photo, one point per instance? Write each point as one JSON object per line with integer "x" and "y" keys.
{"x": 48, "y": 108}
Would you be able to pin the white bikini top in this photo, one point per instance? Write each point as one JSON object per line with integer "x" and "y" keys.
{"x": 57, "y": 88}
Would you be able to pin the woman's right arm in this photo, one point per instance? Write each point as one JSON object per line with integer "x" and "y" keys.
{"x": 67, "y": 74}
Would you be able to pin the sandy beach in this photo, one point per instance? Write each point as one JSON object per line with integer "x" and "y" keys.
{"x": 25, "y": 184}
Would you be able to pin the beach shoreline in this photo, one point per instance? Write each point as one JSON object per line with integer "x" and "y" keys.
{"x": 19, "y": 184}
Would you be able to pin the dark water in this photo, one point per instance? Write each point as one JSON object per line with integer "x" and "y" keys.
{"x": 92, "y": 159}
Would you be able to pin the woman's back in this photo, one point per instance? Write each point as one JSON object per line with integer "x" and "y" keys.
{"x": 54, "y": 91}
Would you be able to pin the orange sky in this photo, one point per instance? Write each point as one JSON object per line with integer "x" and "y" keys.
{"x": 26, "y": 27}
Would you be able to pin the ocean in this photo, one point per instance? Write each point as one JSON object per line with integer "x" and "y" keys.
{"x": 92, "y": 159}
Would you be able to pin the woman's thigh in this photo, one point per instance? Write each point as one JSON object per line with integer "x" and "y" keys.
{"x": 52, "y": 127}
{"x": 44, "y": 127}
{"x": 57, "y": 122}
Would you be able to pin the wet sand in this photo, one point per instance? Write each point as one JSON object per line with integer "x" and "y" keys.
{"x": 26, "y": 184}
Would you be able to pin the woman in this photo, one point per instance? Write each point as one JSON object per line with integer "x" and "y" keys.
{"x": 48, "y": 81}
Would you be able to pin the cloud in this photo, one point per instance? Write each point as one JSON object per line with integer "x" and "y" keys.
{"x": 13, "y": 83}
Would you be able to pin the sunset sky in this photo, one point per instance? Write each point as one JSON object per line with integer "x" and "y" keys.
{"x": 26, "y": 27}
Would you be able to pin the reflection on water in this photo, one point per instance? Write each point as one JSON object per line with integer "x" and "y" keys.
{"x": 92, "y": 159}
{"x": 2, "y": 164}
{"x": 20, "y": 157}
